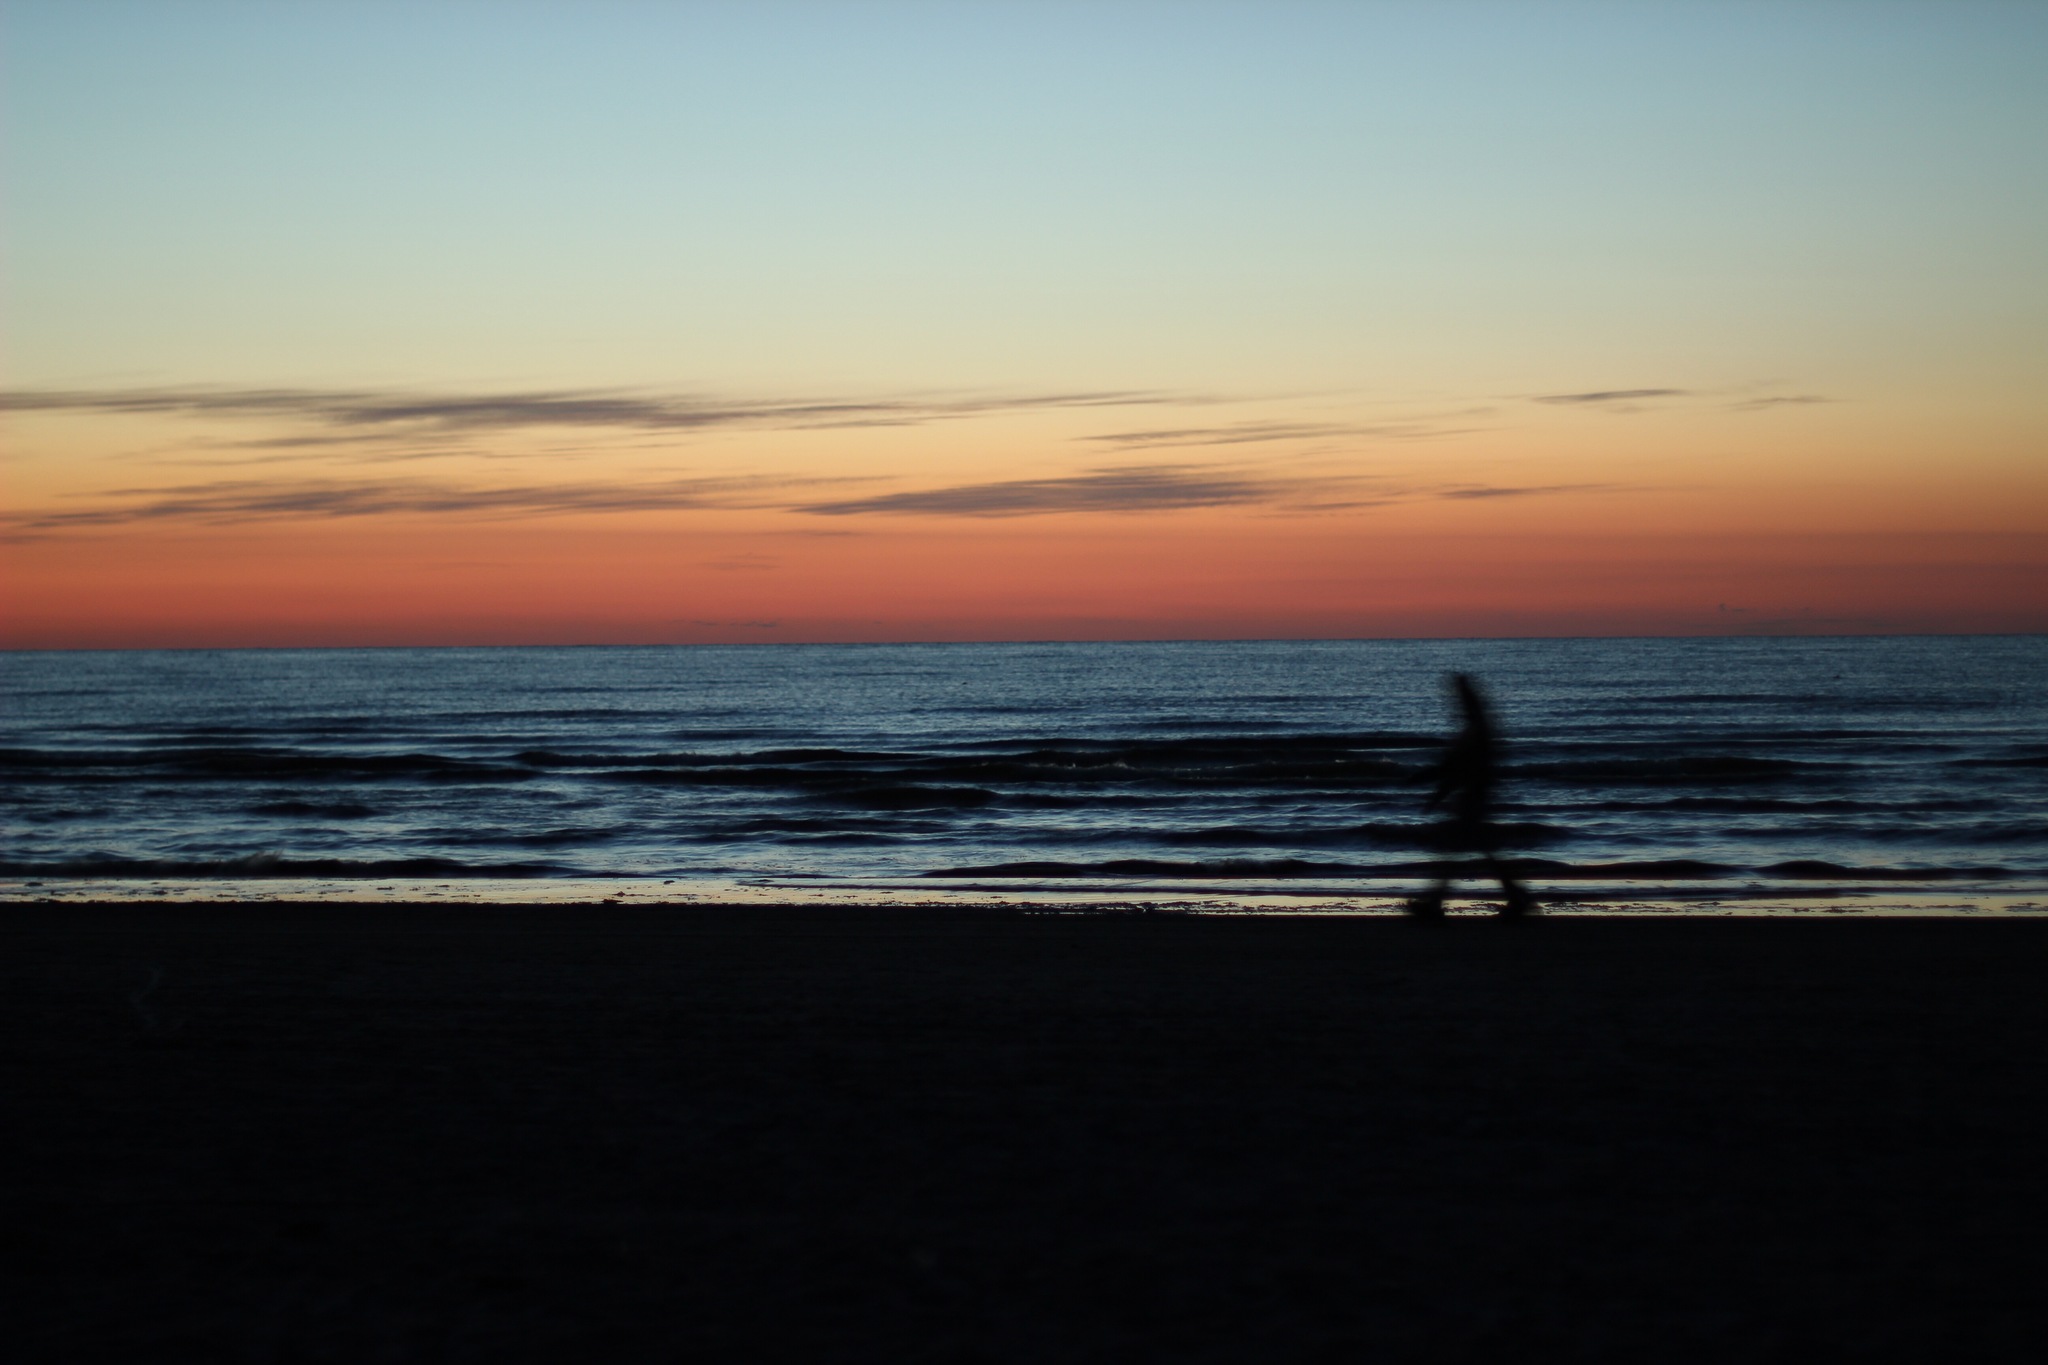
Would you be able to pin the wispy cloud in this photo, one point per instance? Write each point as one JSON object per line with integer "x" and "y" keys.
{"x": 365, "y": 413}
{"x": 377, "y": 425}
{"x": 268, "y": 499}
{"x": 1471, "y": 492}
{"x": 376, "y": 429}
{"x": 1160, "y": 488}
{"x": 1609, "y": 397}
{"x": 1117, "y": 489}
{"x": 1779, "y": 401}
{"x": 1151, "y": 488}
{"x": 1248, "y": 433}
{"x": 1635, "y": 400}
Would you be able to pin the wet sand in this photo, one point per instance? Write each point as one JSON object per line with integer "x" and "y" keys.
{"x": 307, "y": 1133}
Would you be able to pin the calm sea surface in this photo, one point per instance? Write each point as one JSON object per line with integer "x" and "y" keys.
{"x": 1764, "y": 762}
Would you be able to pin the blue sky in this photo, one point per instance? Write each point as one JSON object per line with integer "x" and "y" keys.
{"x": 976, "y": 193}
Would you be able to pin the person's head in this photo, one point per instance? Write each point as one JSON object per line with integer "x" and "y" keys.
{"x": 1470, "y": 699}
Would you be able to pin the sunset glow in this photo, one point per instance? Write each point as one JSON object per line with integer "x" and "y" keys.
{"x": 460, "y": 323}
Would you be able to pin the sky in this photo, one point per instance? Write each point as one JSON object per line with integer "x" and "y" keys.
{"x": 344, "y": 322}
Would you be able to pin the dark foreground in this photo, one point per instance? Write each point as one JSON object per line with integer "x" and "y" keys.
{"x": 392, "y": 1134}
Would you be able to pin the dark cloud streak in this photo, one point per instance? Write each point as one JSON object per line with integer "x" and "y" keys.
{"x": 1128, "y": 489}
{"x": 1598, "y": 396}
{"x": 1117, "y": 489}
{"x": 1158, "y": 488}
{"x": 471, "y": 413}
{"x": 257, "y": 500}
{"x": 1531, "y": 491}
{"x": 1779, "y": 401}
{"x": 1248, "y": 433}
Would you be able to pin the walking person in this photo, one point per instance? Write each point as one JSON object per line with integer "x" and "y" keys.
{"x": 1466, "y": 777}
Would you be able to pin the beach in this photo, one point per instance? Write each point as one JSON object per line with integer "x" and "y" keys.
{"x": 425, "y": 1132}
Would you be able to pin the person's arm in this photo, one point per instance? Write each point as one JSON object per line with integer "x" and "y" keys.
{"x": 1448, "y": 773}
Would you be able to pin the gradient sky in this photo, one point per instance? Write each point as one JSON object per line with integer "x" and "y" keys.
{"x": 369, "y": 323}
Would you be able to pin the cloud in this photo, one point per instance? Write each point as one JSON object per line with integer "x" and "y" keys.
{"x": 264, "y": 499}
{"x": 1779, "y": 401}
{"x": 1160, "y": 488}
{"x": 1245, "y": 433}
{"x": 1600, "y": 396}
{"x": 1125, "y": 488}
{"x": 367, "y": 414}
{"x": 1535, "y": 490}
{"x": 1631, "y": 400}
{"x": 1154, "y": 488}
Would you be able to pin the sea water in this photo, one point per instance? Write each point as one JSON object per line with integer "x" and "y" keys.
{"x": 1759, "y": 764}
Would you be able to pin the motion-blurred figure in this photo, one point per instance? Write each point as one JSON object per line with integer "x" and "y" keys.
{"x": 1466, "y": 777}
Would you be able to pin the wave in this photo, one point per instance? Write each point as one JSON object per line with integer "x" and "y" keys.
{"x": 242, "y": 765}
{"x": 551, "y": 838}
{"x": 1164, "y": 765}
{"x": 1769, "y": 805}
{"x": 1225, "y": 869}
{"x": 1735, "y": 699}
{"x": 1315, "y": 762}
{"x": 773, "y": 827}
{"x": 256, "y": 865}
{"x": 908, "y": 797}
{"x": 1653, "y": 869}
{"x": 333, "y": 810}
{"x": 1691, "y": 771}
{"x": 1813, "y": 869}
{"x": 1295, "y": 868}
{"x": 1442, "y": 835}
{"x": 549, "y": 758}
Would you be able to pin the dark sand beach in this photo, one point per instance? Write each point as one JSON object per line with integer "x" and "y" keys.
{"x": 306, "y": 1133}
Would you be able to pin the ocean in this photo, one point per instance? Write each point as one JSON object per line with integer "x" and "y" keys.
{"x": 1236, "y": 773}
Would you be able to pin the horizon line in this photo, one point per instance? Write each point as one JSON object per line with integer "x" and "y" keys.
{"x": 1172, "y": 640}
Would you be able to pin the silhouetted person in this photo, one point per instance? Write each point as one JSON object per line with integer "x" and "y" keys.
{"x": 1466, "y": 777}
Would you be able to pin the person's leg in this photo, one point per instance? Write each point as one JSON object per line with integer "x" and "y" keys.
{"x": 1514, "y": 897}
{"x": 1429, "y": 904}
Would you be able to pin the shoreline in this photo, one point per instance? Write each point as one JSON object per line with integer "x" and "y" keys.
{"x": 2018, "y": 896}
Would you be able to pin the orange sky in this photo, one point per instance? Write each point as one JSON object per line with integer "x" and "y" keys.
{"x": 1165, "y": 575}
{"x": 334, "y": 326}
{"x": 407, "y": 518}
